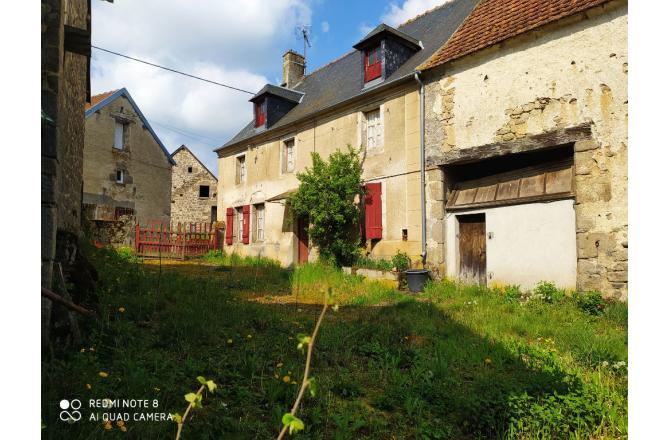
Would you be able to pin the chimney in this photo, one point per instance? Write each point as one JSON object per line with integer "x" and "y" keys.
{"x": 293, "y": 69}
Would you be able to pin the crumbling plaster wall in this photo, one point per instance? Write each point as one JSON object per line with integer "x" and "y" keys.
{"x": 567, "y": 73}
{"x": 187, "y": 205}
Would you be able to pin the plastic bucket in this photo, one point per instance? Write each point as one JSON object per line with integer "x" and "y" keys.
{"x": 416, "y": 278}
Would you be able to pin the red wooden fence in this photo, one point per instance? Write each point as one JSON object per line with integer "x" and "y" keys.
{"x": 158, "y": 240}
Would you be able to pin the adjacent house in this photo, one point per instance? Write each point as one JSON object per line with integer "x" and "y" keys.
{"x": 127, "y": 171}
{"x": 368, "y": 99}
{"x": 194, "y": 189}
{"x": 526, "y": 146}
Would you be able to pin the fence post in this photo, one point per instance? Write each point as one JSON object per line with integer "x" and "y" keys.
{"x": 137, "y": 238}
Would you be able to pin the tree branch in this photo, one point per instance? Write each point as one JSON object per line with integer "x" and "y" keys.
{"x": 307, "y": 368}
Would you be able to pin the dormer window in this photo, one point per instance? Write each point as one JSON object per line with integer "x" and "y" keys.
{"x": 383, "y": 51}
{"x": 260, "y": 113}
{"x": 372, "y": 64}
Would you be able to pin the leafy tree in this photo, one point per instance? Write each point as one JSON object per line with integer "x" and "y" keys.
{"x": 327, "y": 195}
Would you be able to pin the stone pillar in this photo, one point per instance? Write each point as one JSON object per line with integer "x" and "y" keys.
{"x": 293, "y": 69}
{"x": 435, "y": 200}
{"x": 601, "y": 243}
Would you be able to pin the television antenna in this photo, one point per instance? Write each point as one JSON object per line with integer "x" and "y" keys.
{"x": 304, "y": 32}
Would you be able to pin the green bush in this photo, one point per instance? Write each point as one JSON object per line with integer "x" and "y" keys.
{"x": 401, "y": 261}
{"x": 548, "y": 292}
{"x": 326, "y": 195}
{"x": 591, "y": 302}
{"x": 512, "y": 293}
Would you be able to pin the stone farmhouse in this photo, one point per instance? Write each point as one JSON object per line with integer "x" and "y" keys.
{"x": 369, "y": 99}
{"x": 526, "y": 146}
{"x": 193, "y": 189}
{"x": 127, "y": 171}
{"x": 494, "y": 142}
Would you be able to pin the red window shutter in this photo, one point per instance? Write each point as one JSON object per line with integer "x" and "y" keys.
{"x": 229, "y": 226}
{"x": 245, "y": 234}
{"x": 373, "y": 211}
{"x": 260, "y": 115}
{"x": 372, "y": 65}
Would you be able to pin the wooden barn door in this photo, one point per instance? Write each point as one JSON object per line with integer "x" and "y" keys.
{"x": 472, "y": 249}
{"x": 302, "y": 240}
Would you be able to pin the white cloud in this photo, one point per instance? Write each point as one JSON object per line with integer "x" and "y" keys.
{"x": 365, "y": 29}
{"x": 218, "y": 40}
{"x": 396, "y": 14}
{"x": 324, "y": 26}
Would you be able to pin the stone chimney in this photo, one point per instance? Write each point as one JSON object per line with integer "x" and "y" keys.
{"x": 293, "y": 69}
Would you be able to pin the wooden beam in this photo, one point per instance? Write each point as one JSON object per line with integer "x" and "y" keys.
{"x": 530, "y": 143}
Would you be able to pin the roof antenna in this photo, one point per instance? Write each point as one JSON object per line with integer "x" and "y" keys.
{"x": 304, "y": 32}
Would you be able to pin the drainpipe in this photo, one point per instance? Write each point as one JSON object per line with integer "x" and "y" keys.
{"x": 423, "y": 197}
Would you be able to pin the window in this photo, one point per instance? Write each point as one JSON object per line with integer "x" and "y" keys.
{"x": 260, "y": 113}
{"x": 190, "y": 170}
{"x": 258, "y": 228}
{"x": 120, "y": 212}
{"x": 241, "y": 169}
{"x": 289, "y": 156}
{"x": 119, "y": 135}
{"x": 204, "y": 191}
{"x": 372, "y": 64}
{"x": 120, "y": 174}
{"x": 240, "y": 224}
{"x": 374, "y": 129}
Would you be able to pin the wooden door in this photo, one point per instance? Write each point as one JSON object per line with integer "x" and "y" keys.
{"x": 302, "y": 240}
{"x": 472, "y": 249}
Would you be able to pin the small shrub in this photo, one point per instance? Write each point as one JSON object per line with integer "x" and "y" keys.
{"x": 548, "y": 292}
{"x": 401, "y": 261}
{"x": 591, "y": 302}
{"x": 512, "y": 293}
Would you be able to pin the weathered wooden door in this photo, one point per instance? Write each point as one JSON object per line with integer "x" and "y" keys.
{"x": 302, "y": 240}
{"x": 472, "y": 249}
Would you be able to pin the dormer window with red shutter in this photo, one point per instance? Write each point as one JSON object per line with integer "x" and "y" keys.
{"x": 260, "y": 113}
{"x": 372, "y": 65}
{"x": 383, "y": 51}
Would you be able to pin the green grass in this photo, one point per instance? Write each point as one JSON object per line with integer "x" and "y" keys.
{"x": 455, "y": 362}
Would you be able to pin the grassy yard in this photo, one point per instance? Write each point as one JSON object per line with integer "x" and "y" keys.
{"x": 455, "y": 362}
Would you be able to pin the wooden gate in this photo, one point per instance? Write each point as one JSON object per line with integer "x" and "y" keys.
{"x": 158, "y": 240}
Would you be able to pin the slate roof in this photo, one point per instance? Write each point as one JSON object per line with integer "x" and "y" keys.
{"x": 290, "y": 95}
{"x": 99, "y": 101}
{"x": 341, "y": 80}
{"x": 183, "y": 147}
{"x": 378, "y": 32}
{"x": 493, "y": 21}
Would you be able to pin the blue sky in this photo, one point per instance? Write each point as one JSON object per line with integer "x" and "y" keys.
{"x": 222, "y": 41}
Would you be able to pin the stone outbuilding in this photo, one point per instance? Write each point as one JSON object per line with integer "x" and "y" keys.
{"x": 526, "y": 110}
{"x": 194, "y": 189}
{"x": 127, "y": 170}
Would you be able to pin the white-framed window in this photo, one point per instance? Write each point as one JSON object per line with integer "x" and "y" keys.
{"x": 119, "y": 135}
{"x": 241, "y": 169}
{"x": 120, "y": 176}
{"x": 374, "y": 129}
{"x": 259, "y": 222}
{"x": 289, "y": 156}
{"x": 240, "y": 224}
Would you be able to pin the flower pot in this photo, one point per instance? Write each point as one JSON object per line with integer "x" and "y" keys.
{"x": 416, "y": 278}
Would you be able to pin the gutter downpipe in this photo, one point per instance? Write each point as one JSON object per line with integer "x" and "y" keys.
{"x": 423, "y": 197}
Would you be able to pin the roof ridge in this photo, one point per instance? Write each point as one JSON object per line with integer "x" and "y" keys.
{"x": 110, "y": 92}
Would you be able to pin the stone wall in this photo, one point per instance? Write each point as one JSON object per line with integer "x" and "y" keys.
{"x": 187, "y": 205}
{"x": 569, "y": 73}
{"x": 147, "y": 169}
{"x": 63, "y": 91}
